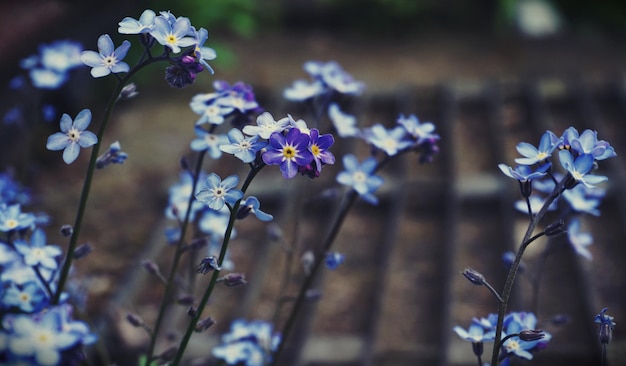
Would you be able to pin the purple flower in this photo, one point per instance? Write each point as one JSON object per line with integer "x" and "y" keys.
{"x": 319, "y": 146}
{"x": 587, "y": 143}
{"x": 290, "y": 151}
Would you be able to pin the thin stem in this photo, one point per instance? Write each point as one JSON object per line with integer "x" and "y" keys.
{"x": 493, "y": 291}
{"x": 169, "y": 282}
{"x": 207, "y": 294}
{"x": 67, "y": 263}
{"x": 345, "y": 207}
{"x": 510, "y": 280}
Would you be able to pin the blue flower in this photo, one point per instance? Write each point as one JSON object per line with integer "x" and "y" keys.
{"x": 12, "y": 218}
{"x": 251, "y": 205}
{"x": 28, "y": 297}
{"x": 334, "y": 259}
{"x": 344, "y": 124}
{"x": 208, "y": 141}
{"x": 532, "y": 154}
{"x": 587, "y": 143}
{"x": 114, "y": 155}
{"x": 130, "y": 25}
{"x": 38, "y": 253}
{"x": 47, "y": 79}
{"x": 239, "y": 96}
{"x": 49, "y": 69}
{"x": 583, "y": 199}
{"x": 209, "y": 109}
{"x": 303, "y": 90}
{"x": 266, "y": 126}
{"x": 174, "y": 36}
{"x": 72, "y": 136}
{"x": 361, "y": 177}
{"x": 108, "y": 59}
{"x": 218, "y": 192}
{"x": 579, "y": 167}
{"x": 214, "y": 224}
{"x": 580, "y": 241}
{"x": 289, "y": 152}
{"x": 515, "y": 323}
{"x": 420, "y": 131}
{"x": 250, "y": 344}
{"x": 390, "y": 141}
{"x": 475, "y": 333}
{"x": 244, "y": 148}
{"x": 203, "y": 53}
{"x": 524, "y": 173}
{"x": 328, "y": 77}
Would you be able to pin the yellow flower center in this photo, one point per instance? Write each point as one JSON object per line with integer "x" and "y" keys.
{"x": 315, "y": 150}
{"x": 359, "y": 177}
{"x": 171, "y": 39}
{"x": 11, "y": 223}
{"x": 289, "y": 152}
{"x": 512, "y": 346}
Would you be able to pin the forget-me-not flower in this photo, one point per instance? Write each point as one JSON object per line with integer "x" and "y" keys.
{"x": 533, "y": 155}
{"x": 38, "y": 252}
{"x": 251, "y": 205}
{"x": 28, "y": 297}
{"x": 208, "y": 141}
{"x": 583, "y": 199}
{"x": 174, "y": 36}
{"x": 587, "y": 143}
{"x": 248, "y": 343}
{"x": 203, "y": 53}
{"x": 333, "y": 260}
{"x": 420, "y": 131}
{"x": 345, "y": 124}
{"x": 524, "y": 173}
{"x": 12, "y": 218}
{"x": 361, "y": 177}
{"x": 108, "y": 59}
{"x": 130, "y": 25}
{"x": 319, "y": 146}
{"x": 579, "y": 168}
{"x": 580, "y": 241}
{"x": 266, "y": 125}
{"x": 219, "y": 192}
{"x": 72, "y": 136}
{"x": 243, "y": 147}
{"x": 289, "y": 152}
{"x": 390, "y": 141}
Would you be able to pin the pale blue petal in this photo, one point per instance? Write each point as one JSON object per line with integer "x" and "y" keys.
{"x": 87, "y": 138}
{"x": 100, "y": 71}
{"x": 66, "y": 122}
{"x": 122, "y": 50}
{"x": 105, "y": 45}
{"x": 91, "y": 58}
{"x": 82, "y": 120}
{"x": 57, "y": 141}
{"x": 120, "y": 67}
{"x": 71, "y": 153}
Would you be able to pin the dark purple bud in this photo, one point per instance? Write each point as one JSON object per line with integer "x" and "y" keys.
{"x": 169, "y": 353}
{"x": 134, "y": 319}
{"x": 151, "y": 267}
{"x": 233, "y": 279}
{"x": 192, "y": 311}
{"x": 555, "y": 228}
{"x": 243, "y": 212}
{"x": 473, "y": 276}
{"x": 204, "y": 324}
{"x": 82, "y": 251}
{"x": 530, "y": 335}
{"x": 313, "y": 295}
{"x": 207, "y": 265}
{"x": 67, "y": 230}
{"x": 185, "y": 299}
{"x": 526, "y": 187}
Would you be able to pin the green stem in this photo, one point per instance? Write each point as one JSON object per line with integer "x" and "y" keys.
{"x": 169, "y": 282}
{"x": 89, "y": 176}
{"x": 207, "y": 294}
{"x": 510, "y": 279}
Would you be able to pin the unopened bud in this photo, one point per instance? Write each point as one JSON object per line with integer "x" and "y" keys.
{"x": 134, "y": 319}
{"x": 473, "y": 276}
{"x": 243, "y": 212}
{"x": 67, "y": 230}
{"x": 192, "y": 311}
{"x": 129, "y": 91}
{"x": 207, "y": 265}
{"x": 233, "y": 279}
{"x": 478, "y": 348}
{"x": 151, "y": 267}
{"x": 555, "y": 228}
{"x": 204, "y": 324}
{"x": 82, "y": 251}
{"x": 185, "y": 299}
{"x": 526, "y": 187}
{"x": 530, "y": 335}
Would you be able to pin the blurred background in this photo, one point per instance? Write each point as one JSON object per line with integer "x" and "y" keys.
{"x": 489, "y": 74}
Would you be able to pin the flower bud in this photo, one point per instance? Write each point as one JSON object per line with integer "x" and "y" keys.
{"x": 473, "y": 276}
{"x": 67, "y": 230}
{"x": 192, "y": 311}
{"x": 129, "y": 91}
{"x": 233, "y": 279}
{"x": 555, "y": 228}
{"x": 82, "y": 251}
{"x": 151, "y": 267}
{"x": 530, "y": 335}
{"x": 134, "y": 319}
{"x": 204, "y": 324}
{"x": 185, "y": 299}
{"x": 207, "y": 265}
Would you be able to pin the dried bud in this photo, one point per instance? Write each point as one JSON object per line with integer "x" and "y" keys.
{"x": 67, "y": 230}
{"x": 530, "y": 335}
{"x": 233, "y": 279}
{"x": 134, "y": 319}
{"x": 82, "y": 251}
{"x": 204, "y": 324}
{"x": 555, "y": 228}
{"x": 473, "y": 276}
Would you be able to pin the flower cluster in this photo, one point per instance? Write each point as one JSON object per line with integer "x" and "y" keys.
{"x": 36, "y": 330}
{"x": 518, "y": 341}
{"x": 578, "y": 156}
{"x": 236, "y": 101}
{"x": 49, "y": 69}
{"x": 248, "y": 343}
